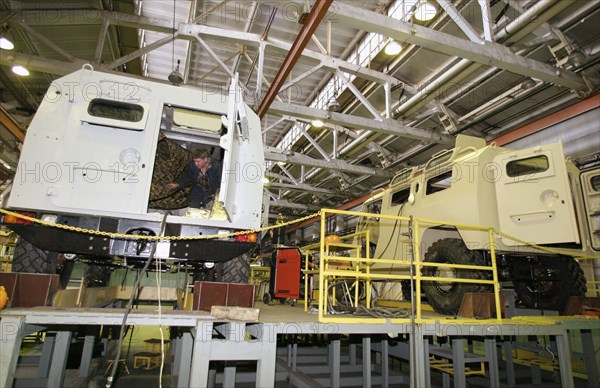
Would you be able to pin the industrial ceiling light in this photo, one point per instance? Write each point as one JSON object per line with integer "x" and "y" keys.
{"x": 20, "y": 70}
{"x": 175, "y": 77}
{"x": 317, "y": 123}
{"x": 333, "y": 105}
{"x": 393, "y": 48}
{"x": 576, "y": 58}
{"x": 6, "y": 44}
{"x": 425, "y": 11}
{"x": 528, "y": 84}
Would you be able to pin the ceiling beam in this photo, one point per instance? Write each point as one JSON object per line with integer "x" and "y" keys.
{"x": 306, "y": 188}
{"x": 57, "y": 17}
{"x": 275, "y": 155}
{"x": 489, "y": 54}
{"x": 292, "y": 205}
{"x": 317, "y": 13}
{"x": 386, "y": 126}
{"x": 11, "y": 125}
{"x": 190, "y": 31}
{"x": 16, "y": 92}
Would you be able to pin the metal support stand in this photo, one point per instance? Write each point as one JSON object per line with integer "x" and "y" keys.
{"x": 419, "y": 354}
{"x": 46, "y": 357}
{"x": 56, "y": 376}
{"x": 589, "y": 354}
{"x": 366, "y": 352}
{"x": 536, "y": 371}
{"x": 564, "y": 359}
{"x": 458, "y": 361}
{"x": 335, "y": 362}
{"x": 385, "y": 366}
{"x": 86, "y": 356}
{"x": 183, "y": 354}
{"x": 12, "y": 332}
{"x": 492, "y": 356}
{"x": 233, "y": 348}
{"x": 508, "y": 362}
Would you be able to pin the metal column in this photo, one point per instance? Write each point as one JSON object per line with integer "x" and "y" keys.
{"x": 11, "y": 335}
{"x": 589, "y": 354}
{"x": 366, "y": 356}
{"x": 564, "y": 359}
{"x": 56, "y": 376}
{"x": 492, "y": 358}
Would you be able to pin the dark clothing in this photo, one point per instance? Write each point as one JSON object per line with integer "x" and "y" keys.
{"x": 204, "y": 186}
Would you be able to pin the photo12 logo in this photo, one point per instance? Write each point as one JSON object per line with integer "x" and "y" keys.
{"x": 72, "y": 172}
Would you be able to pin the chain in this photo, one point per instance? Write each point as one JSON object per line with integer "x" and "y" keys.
{"x": 232, "y": 234}
{"x": 154, "y": 238}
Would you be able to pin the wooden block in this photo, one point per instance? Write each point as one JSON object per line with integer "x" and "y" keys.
{"x": 480, "y": 305}
{"x": 235, "y": 313}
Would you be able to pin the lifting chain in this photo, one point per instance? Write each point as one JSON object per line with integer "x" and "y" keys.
{"x": 154, "y": 238}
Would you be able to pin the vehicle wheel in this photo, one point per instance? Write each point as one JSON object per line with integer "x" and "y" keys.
{"x": 406, "y": 289}
{"x": 266, "y": 298}
{"x": 446, "y": 297}
{"x": 282, "y": 300}
{"x": 236, "y": 270}
{"x": 96, "y": 276}
{"x": 29, "y": 258}
{"x": 555, "y": 279}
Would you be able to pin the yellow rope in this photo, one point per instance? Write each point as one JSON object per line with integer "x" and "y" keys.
{"x": 153, "y": 238}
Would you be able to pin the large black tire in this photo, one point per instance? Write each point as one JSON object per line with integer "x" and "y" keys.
{"x": 96, "y": 276}
{"x": 445, "y": 298}
{"x": 29, "y": 258}
{"x": 236, "y": 270}
{"x": 555, "y": 279}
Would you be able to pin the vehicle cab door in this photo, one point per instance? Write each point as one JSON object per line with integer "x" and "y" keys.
{"x": 237, "y": 131}
{"x": 534, "y": 197}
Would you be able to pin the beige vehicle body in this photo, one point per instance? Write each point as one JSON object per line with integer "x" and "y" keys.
{"x": 534, "y": 195}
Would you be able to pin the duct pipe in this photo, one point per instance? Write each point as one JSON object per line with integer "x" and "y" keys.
{"x": 529, "y": 17}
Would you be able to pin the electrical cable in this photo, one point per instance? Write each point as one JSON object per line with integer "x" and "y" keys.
{"x": 160, "y": 327}
{"x": 134, "y": 291}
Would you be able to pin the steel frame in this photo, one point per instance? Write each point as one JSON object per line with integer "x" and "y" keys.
{"x": 192, "y": 354}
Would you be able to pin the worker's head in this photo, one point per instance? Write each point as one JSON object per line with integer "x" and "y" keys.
{"x": 201, "y": 157}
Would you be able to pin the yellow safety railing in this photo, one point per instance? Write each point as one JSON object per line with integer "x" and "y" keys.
{"x": 359, "y": 268}
{"x": 593, "y": 287}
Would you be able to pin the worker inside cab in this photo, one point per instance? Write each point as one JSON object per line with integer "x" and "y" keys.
{"x": 203, "y": 177}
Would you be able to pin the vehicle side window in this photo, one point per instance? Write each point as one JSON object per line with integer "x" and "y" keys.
{"x": 115, "y": 110}
{"x": 374, "y": 207}
{"x": 400, "y": 197}
{"x": 527, "y": 166}
{"x": 439, "y": 183}
{"x": 595, "y": 182}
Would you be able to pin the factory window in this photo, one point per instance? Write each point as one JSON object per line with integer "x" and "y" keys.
{"x": 400, "y": 196}
{"x": 527, "y": 166}
{"x": 439, "y": 183}
{"x": 115, "y": 110}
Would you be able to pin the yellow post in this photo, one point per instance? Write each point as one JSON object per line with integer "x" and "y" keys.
{"x": 306, "y": 275}
{"x": 322, "y": 285}
{"x": 495, "y": 275}
{"x": 368, "y": 263}
{"x": 417, "y": 265}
